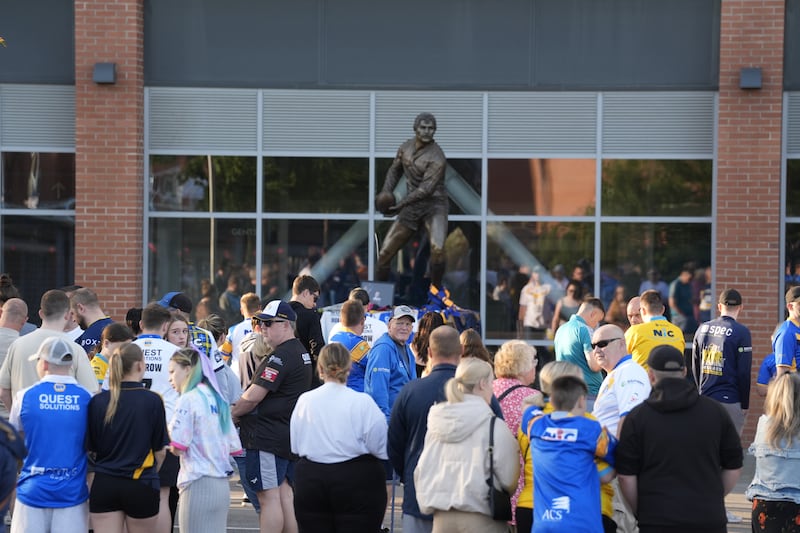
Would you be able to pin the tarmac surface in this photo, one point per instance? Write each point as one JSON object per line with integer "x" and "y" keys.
{"x": 244, "y": 519}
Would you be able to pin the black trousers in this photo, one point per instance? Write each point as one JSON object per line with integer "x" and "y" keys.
{"x": 348, "y": 497}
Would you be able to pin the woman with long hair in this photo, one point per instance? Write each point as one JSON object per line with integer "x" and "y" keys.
{"x": 228, "y": 381}
{"x": 203, "y": 436}
{"x": 128, "y": 435}
{"x": 178, "y": 330}
{"x": 113, "y": 336}
{"x": 452, "y": 472}
{"x": 340, "y": 436}
{"x": 567, "y": 305}
{"x": 473, "y": 346}
{"x": 775, "y": 489}
{"x": 419, "y": 345}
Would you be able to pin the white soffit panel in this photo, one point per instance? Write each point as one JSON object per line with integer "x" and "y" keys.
{"x": 37, "y": 115}
{"x": 459, "y": 119}
{"x": 203, "y": 119}
{"x": 668, "y": 123}
{"x": 543, "y": 123}
{"x": 316, "y": 120}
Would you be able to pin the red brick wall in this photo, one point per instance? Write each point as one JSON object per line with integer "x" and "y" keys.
{"x": 109, "y": 145}
{"x": 749, "y": 171}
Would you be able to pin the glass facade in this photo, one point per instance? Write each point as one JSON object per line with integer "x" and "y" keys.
{"x": 37, "y": 222}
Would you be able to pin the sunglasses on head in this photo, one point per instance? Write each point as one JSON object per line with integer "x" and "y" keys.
{"x": 605, "y": 342}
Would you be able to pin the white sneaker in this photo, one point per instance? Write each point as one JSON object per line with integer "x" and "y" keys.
{"x": 732, "y": 518}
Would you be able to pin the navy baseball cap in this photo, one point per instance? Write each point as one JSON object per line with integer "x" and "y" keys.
{"x": 278, "y": 309}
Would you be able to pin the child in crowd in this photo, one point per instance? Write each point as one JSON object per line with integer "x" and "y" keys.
{"x": 564, "y": 446}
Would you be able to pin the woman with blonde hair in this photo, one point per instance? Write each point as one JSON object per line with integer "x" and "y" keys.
{"x": 178, "y": 330}
{"x": 203, "y": 437}
{"x": 775, "y": 489}
{"x": 340, "y": 436}
{"x": 456, "y": 448}
{"x": 515, "y": 366}
{"x": 128, "y": 435}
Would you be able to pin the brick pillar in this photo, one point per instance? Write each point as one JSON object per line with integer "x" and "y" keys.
{"x": 749, "y": 172}
{"x": 109, "y": 145}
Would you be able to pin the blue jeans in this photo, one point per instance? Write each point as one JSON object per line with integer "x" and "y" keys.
{"x": 248, "y": 490}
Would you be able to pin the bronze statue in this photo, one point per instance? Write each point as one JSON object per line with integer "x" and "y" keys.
{"x": 423, "y": 163}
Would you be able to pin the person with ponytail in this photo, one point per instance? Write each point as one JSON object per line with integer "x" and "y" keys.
{"x": 112, "y": 336}
{"x": 128, "y": 437}
{"x": 456, "y": 449}
{"x": 340, "y": 436}
{"x": 204, "y": 437}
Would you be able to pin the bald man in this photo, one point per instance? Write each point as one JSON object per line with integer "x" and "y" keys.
{"x": 634, "y": 312}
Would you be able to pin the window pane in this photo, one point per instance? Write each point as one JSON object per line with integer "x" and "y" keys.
{"x": 462, "y": 268}
{"x": 561, "y": 187}
{"x": 462, "y": 179}
{"x": 38, "y": 253}
{"x": 656, "y": 188}
{"x": 515, "y": 250}
{"x": 39, "y": 180}
{"x": 792, "y": 187}
{"x": 181, "y": 183}
{"x": 335, "y": 251}
{"x": 792, "y": 255}
{"x": 630, "y": 250}
{"x": 180, "y": 256}
{"x": 316, "y": 185}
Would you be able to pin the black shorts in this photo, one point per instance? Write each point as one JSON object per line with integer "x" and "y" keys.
{"x": 133, "y": 497}
{"x": 168, "y": 475}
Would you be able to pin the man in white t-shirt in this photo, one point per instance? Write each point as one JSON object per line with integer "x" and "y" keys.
{"x": 249, "y": 306}
{"x": 625, "y": 387}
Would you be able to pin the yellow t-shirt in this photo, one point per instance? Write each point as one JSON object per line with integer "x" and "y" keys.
{"x": 526, "y": 495}
{"x": 642, "y": 338}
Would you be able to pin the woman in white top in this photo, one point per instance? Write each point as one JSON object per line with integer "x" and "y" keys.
{"x": 340, "y": 436}
{"x": 452, "y": 472}
{"x": 203, "y": 436}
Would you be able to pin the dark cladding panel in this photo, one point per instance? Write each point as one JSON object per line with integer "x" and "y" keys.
{"x": 236, "y": 43}
{"x": 418, "y": 43}
{"x": 626, "y": 44}
{"x": 791, "y": 75}
{"x": 40, "y": 44}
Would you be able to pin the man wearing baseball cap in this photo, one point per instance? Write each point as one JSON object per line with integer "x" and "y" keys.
{"x": 264, "y": 411}
{"x": 785, "y": 344}
{"x": 679, "y": 453}
{"x": 722, "y": 356}
{"x": 390, "y": 365}
{"x": 52, "y": 494}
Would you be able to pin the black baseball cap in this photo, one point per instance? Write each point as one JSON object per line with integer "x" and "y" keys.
{"x": 730, "y": 297}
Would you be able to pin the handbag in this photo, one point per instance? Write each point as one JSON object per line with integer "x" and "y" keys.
{"x": 499, "y": 499}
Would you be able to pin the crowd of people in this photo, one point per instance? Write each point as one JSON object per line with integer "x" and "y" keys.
{"x": 138, "y": 425}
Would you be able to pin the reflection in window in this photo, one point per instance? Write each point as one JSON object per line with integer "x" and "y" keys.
{"x": 316, "y": 185}
{"x": 629, "y": 251}
{"x": 545, "y": 187}
{"x": 333, "y": 251}
{"x": 462, "y": 269}
{"x": 185, "y": 183}
{"x": 657, "y": 188}
{"x": 39, "y": 254}
{"x": 180, "y": 256}
{"x": 793, "y": 187}
{"x": 462, "y": 179}
{"x": 792, "y": 255}
{"x": 37, "y": 180}
{"x": 515, "y": 250}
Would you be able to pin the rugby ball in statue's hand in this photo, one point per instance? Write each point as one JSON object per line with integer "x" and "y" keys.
{"x": 384, "y": 201}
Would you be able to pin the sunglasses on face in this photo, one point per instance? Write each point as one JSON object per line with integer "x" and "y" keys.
{"x": 603, "y": 343}
{"x": 265, "y": 323}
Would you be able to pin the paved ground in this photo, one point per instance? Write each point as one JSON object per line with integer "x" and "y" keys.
{"x": 243, "y": 519}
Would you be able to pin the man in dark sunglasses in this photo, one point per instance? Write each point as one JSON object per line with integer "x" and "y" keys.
{"x": 305, "y": 294}
{"x": 625, "y": 387}
{"x": 263, "y": 413}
